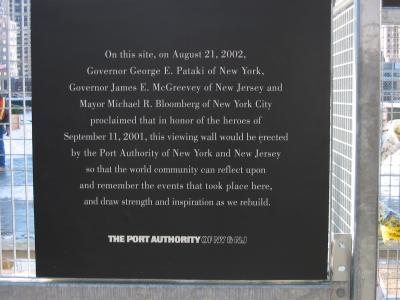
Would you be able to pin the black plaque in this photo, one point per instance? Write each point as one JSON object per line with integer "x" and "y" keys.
{"x": 181, "y": 139}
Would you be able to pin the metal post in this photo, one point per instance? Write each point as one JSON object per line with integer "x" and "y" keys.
{"x": 363, "y": 274}
{"x": 367, "y": 159}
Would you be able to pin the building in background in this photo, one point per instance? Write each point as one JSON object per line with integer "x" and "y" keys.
{"x": 391, "y": 82}
{"x": 390, "y": 43}
{"x": 8, "y": 49}
{"x": 8, "y": 53}
{"x": 20, "y": 13}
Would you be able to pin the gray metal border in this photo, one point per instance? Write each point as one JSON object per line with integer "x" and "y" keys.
{"x": 67, "y": 290}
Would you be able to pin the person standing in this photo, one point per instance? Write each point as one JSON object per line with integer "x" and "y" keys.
{"x": 4, "y": 129}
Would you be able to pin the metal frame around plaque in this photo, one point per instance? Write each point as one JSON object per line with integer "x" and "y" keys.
{"x": 348, "y": 263}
